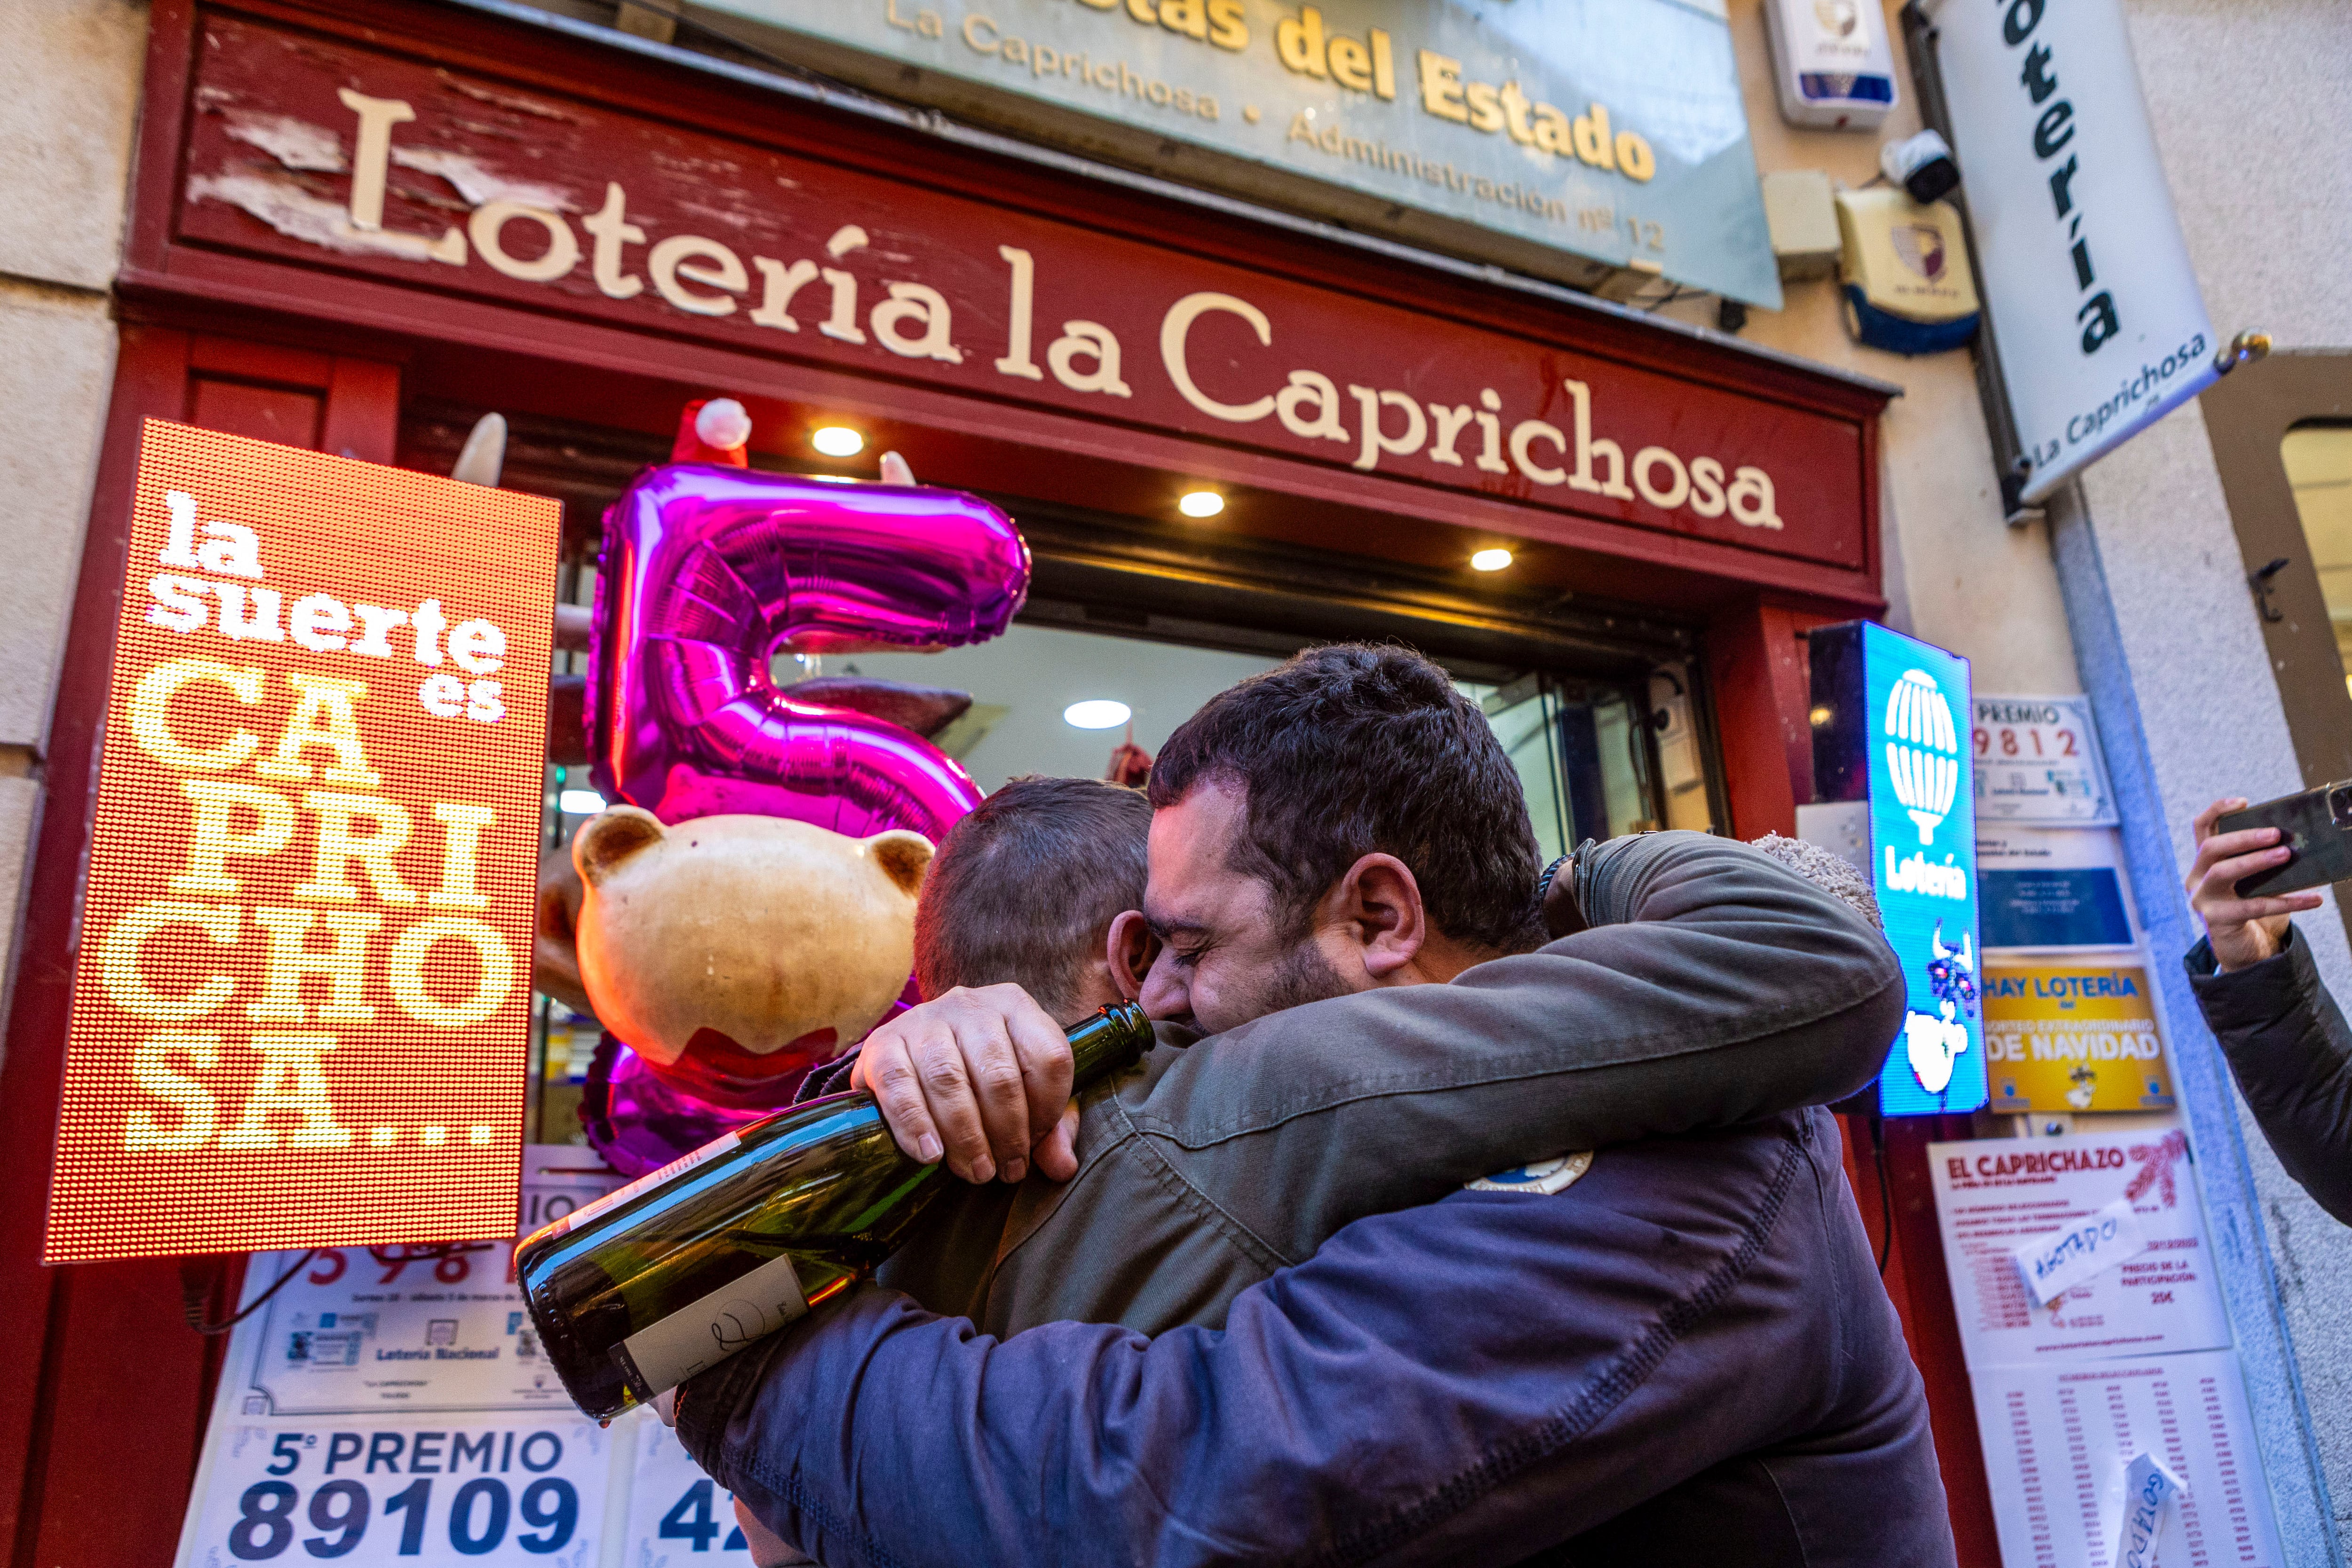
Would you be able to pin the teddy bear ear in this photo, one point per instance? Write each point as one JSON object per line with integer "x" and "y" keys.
{"x": 904, "y": 856}
{"x": 612, "y": 837}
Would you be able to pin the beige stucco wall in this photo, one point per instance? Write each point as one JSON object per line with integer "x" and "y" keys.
{"x": 69, "y": 100}
{"x": 1956, "y": 576}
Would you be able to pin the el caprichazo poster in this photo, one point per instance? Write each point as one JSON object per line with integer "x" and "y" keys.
{"x": 302, "y": 995}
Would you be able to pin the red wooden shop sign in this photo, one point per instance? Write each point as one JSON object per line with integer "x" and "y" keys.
{"x": 325, "y": 154}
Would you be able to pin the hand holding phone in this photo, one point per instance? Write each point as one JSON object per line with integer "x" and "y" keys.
{"x": 2250, "y": 861}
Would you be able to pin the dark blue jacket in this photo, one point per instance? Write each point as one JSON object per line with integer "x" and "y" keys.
{"x": 1685, "y": 1358}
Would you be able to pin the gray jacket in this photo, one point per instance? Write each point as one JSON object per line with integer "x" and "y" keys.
{"x": 1711, "y": 988}
{"x": 2292, "y": 1056}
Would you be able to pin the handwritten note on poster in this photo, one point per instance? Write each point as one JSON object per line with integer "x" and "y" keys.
{"x": 1995, "y": 1193}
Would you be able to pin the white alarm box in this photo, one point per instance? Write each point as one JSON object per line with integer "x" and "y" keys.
{"x": 1832, "y": 64}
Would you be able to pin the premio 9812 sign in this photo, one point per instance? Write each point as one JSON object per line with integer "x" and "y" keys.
{"x": 302, "y": 993}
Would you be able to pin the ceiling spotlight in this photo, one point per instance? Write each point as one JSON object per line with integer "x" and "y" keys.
{"x": 837, "y": 441}
{"x": 580, "y": 802}
{"x": 1490, "y": 560}
{"x": 1201, "y": 503}
{"x": 1096, "y": 713}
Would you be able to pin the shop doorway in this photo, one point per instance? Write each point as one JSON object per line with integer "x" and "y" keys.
{"x": 1598, "y": 705}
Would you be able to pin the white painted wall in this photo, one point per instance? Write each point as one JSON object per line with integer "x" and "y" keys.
{"x": 2251, "y": 101}
{"x": 2252, "y": 105}
{"x": 69, "y": 78}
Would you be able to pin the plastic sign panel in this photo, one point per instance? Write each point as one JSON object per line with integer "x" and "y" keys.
{"x": 1922, "y": 835}
{"x": 2095, "y": 311}
{"x": 1610, "y": 131}
{"x": 2069, "y": 1038}
{"x": 2051, "y": 886}
{"x": 1889, "y": 715}
{"x": 300, "y": 1010}
{"x": 391, "y": 1405}
{"x": 2038, "y": 762}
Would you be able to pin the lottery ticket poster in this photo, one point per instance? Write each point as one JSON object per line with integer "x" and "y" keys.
{"x": 2131, "y": 1363}
{"x": 2058, "y": 1441}
{"x": 391, "y": 1405}
{"x": 2038, "y": 761}
{"x": 1994, "y": 1194}
{"x": 2074, "y": 1037}
{"x": 677, "y": 1517}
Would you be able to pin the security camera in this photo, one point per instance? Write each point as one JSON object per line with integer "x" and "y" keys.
{"x": 1921, "y": 164}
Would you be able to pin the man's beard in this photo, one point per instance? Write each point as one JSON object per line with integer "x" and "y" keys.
{"x": 1304, "y": 975}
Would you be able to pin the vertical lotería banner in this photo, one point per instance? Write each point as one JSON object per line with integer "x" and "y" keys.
{"x": 1897, "y": 798}
{"x": 2095, "y": 306}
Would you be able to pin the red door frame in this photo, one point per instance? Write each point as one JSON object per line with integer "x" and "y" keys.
{"x": 118, "y": 1373}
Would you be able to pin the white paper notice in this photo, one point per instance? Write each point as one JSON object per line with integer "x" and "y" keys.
{"x": 1995, "y": 1194}
{"x": 2038, "y": 760}
{"x": 2058, "y": 1260}
{"x": 2149, "y": 1493}
{"x": 2059, "y": 1443}
{"x": 392, "y": 1406}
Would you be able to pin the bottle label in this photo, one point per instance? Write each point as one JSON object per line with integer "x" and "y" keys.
{"x": 708, "y": 1331}
{"x": 638, "y": 1188}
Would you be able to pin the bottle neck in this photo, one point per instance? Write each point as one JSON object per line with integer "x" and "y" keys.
{"x": 1107, "y": 1042}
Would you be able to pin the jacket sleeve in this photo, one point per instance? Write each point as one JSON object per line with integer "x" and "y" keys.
{"x": 1713, "y": 986}
{"x": 1467, "y": 1382}
{"x": 2292, "y": 1056}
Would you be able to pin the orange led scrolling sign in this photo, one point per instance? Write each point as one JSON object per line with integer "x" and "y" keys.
{"x": 303, "y": 991}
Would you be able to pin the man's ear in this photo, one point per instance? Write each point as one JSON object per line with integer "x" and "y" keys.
{"x": 1130, "y": 948}
{"x": 1379, "y": 904}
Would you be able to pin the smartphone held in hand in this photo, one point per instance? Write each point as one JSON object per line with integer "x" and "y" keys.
{"x": 2316, "y": 825}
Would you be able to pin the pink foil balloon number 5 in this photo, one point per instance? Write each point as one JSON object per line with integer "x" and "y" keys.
{"x": 710, "y": 571}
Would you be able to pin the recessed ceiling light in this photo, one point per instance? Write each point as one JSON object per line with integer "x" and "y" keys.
{"x": 837, "y": 441}
{"x": 1096, "y": 713}
{"x": 1201, "y": 503}
{"x": 580, "y": 802}
{"x": 1490, "y": 560}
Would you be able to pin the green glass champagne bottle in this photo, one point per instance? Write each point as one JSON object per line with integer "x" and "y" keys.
{"x": 639, "y": 1291}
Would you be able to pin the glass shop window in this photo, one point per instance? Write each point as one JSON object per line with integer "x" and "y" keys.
{"x": 2318, "y": 459}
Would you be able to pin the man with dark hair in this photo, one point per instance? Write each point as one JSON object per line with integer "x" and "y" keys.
{"x": 1693, "y": 984}
{"x": 1025, "y": 888}
{"x": 1352, "y": 749}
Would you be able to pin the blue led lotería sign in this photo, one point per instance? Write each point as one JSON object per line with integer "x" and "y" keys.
{"x": 1891, "y": 725}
